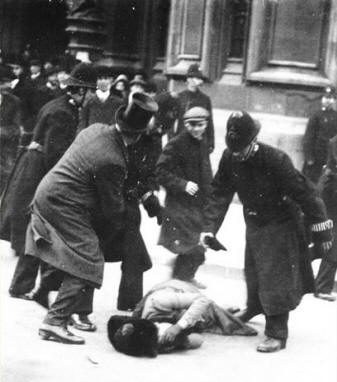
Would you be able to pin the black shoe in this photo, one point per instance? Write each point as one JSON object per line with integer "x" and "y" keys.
{"x": 82, "y": 322}
{"x": 59, "y": 334}
{"x": 41, "y": 297}
{"x": 271, "y": 345}
{"x": 326, "y": 296}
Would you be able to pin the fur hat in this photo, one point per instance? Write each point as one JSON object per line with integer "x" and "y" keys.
{"x": 139, "y": 339}
{"x": 196, "y": 113}
{"x": 82, "y": 75}
{"x": 241, "y": 130}
{"x": 134, "y": 117}
{"x": 194, "y": 71}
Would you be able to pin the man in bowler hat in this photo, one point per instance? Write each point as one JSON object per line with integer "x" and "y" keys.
{"x": 277, "y": 263}
{"x": 86, "y": 209}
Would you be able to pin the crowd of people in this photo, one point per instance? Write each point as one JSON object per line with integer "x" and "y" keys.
{"x": 82, "y": 148}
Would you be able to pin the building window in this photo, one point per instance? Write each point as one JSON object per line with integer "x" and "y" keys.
{"x": 238, "y": 18}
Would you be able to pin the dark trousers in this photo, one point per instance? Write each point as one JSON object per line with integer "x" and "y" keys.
{"x": 186, "y": 265}
{"x": 26, "y": 272}
{"x": 74, "y": 296}
{"x": 276, "y": 325}
{"x": 325, "y": 278}
{"x": 130, "y": 289}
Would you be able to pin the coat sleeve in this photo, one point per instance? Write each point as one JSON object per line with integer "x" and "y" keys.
{"x": 210, "y": 127}
{"x": 59, "y": 136}
{"x": 221, "y": 195}
{"x": 83, "y": 118}
{"x": 167, "y": 169}
{"x": 309, "y": 139}
{"x": 294, "y": 185}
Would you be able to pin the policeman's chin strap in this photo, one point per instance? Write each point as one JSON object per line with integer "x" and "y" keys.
{"x": 253, "y": 147}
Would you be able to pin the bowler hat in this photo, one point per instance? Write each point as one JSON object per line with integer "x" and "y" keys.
{"x": 6, "y": 74}
{"x": 139, "y": 339}
{"x": 196, "y": 113}
{"x": 104, "y": 71}
{"x": 194, "y": 71}
{"x": 82, "y": 75}
{"x": 134, "y": 117}
{"x": 241, "y": 130}
{"x": 35, "y": 62}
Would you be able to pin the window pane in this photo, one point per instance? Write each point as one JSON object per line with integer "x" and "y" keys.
{"x": 296, "y": 30}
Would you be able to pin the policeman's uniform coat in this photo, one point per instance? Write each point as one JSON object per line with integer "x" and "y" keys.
{"x": 183, "y": 159}
{"x": 277, "y": 262}
{"x": 54, "y": 132}
{"x": 322, "y": 126}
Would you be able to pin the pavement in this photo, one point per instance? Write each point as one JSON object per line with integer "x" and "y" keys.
{"x": 310, "y": 354}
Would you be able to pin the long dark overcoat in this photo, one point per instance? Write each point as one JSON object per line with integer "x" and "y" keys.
{"x": 10, "y": 121}
{"x": 277, "y": 261}
{"x": 321, "y": 127}
{"x": 183, "y": 159}
{"x": 81, "y": 204}
{"x": 54, "y": 132}
{"x": 327, "y": 186}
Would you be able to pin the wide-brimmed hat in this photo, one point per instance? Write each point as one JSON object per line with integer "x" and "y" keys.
{"x": 6, "y": 74}
{"x": 194, "y": 71}
{"x": 196, "y": 113}
{"x": 123, "y": 78}
{"x": 138, "y": 79}
{"x": 141, "y": 338}
{"x": 241, "y": 130}
{"x": 82, "y": 75}
{"x": 134, "y": 117}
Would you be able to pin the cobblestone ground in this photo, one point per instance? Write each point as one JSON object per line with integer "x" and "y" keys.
{"x": 310, "y": 354}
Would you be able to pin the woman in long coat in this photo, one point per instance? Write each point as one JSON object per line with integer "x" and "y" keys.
{"x": 54, "y": 132}
{"x": 277, "y": 262}
{"x": 184, "y": 170}
{"x": 10, "y": 122}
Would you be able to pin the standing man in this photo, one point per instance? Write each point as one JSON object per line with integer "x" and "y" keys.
{"x": 102, "y": 107}
{"x": 327, "y": 186}
{"x": 184, "y": 170}
{"x": 193, "y": 96}
{"x": 10, "y": 123}
{"x": 85, "y": 209}
{"x": 54, "y": 132}
{"x": 277, "y": 262}
{"x": 321, "y": 127}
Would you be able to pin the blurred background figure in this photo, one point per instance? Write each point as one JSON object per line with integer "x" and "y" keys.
{"x": 321, "y": 127}
{"x": 10, "y": 122}
{"x": 122, "y": 85}
{"x": 138, "y": 84}
{"x": 102, "y": 107}
{"x": 327, "y": 186}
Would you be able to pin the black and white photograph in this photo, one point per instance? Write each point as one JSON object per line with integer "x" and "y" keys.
{"x": 168, "y": 190}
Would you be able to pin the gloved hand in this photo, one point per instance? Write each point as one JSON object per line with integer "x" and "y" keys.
{"x": 208, "y": 240}
{"x": 153, "y": 208}
{"x": 213, "y": 243}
